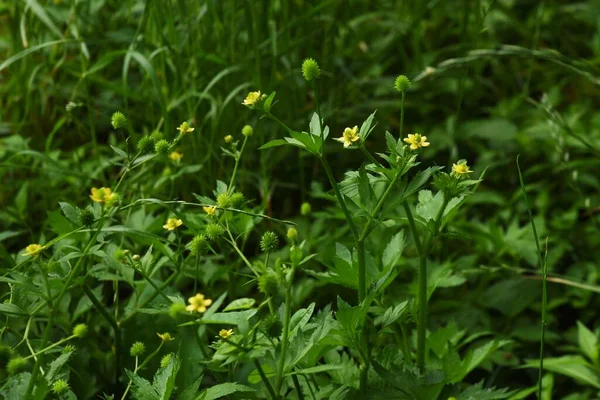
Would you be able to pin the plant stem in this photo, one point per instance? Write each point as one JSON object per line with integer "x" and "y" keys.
{"x": 297, "y": 386}
{"x": 402, "y": 114}
{"x": 237, "y": 162}
{"x": 265, "y": 380}
{"x": 286, "y": 330}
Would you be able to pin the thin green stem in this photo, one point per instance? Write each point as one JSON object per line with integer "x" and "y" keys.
{"x": 298, "y": 388}
{"x": 402, "y": 113}
{"x": 286, "y": 330}
{"x": 265, "y": 380}
{"x": 53, "y": 345}
{"x": 413, "y": 228}
{"x": 237, "y": 162}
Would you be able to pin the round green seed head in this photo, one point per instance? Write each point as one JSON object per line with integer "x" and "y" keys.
{"x": 269, "y": 242}
{"x": 223, "y": 200}
{"x": 137, "y": 349}
{"x": 118, "y": 120}
{"x": 310, "y": 69}
{"x": 247, "y": 130}
{"x": 402, "y": 83}
{"x": 214, "y": 231}
{"x": 86, "y": 216}
{"x": 236, "y": 200}
{"x": 5, "y": 353}
{"x": 162, "y": 147}
{"x": 60, "y": 386}
{"x": 16, "y": 365}
{"x": 146, "y": 145}
{"x": 156, "y": 136}
{"x": 272, "y": 326}
{"x": 165, "y": 360}
{"x": 305, "y": 209}
{"x": 176, "y": 309}
{"x": 198, "y": 246}
{"x": 268, "y": 283}
{"x": 80, "y": 330}
{"x": 68, "y": 349}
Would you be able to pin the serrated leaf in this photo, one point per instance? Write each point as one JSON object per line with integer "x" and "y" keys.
{"x": 70, "y": 212}
{"x": 222, "y": 390}
{"x": 164, "y": 379}
{"x": 240, "y": 304}
{"x": 365, "y": 128}
{"x": 119, "y": 152}
{"x": 588, "y": 342}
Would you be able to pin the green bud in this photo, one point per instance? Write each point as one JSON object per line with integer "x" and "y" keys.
{"x": 310, "y": 69}
{"x": 60, "y": 386}
{"x": 269, "y": 242}
{"x": 162, "y": 147}
{"x": 305, "y": 209}
{"x": 145, "y": 145}
{"x": 402, "y": 83}
{"x": 118, "y": 120}
{"x": 80, "y": 330}
{"x": 137, "y": 349}
{"x": 198, "y": 246}
{"x": 292, "y": 233}
{"x": 176, "y": 309}
{"x": 214, "y": 231}
{"x": 247, "y": 130}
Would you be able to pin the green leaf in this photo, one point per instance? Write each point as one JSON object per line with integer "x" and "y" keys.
{"x": 240, "y": 304}
{"x": 142, "y": 388}
{"x": 588, "y": 342}
{"x": 56, "y": 365}
{"x": 268, "y": 103}
{"x": 575, "y": 367}
{"x": 476, "y": 356}
{"x": 365, "y": 191}
{"x": 274, "y": 143}
{"x": 419, "y": 180}
{"x": 365, "y": 128}
{"x": 12, "y": 310}
{"x": 478, "y": 392}
{"x": 231, "y": 318}
{"x": 119, "y": 152}
{"x": 222, "y": 390}
{"x": 393, "y": 313}
{"x": 41, "y": 13}
{"x": 70, "y": 212}
{"x": 164, "y": 380}
{"x": 315, "y": 370}
{"x": 300, "y": 319}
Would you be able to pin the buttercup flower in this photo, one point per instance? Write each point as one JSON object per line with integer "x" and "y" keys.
{"x": 176, "y": 156}
{"x": 165, "y": 337}
{"x": 185, "y": 128}
{"x": 416, "y": 141}
{"x": 349, "y": 136}
{"x": 172, "y": 224}
{"x": 210, "y": 210}
{"x": 33, "y": 250}
{"x": 102, "y": 195}
{"x": 226, "y": 333}
{"x": 254, "y": 98}
{"x": 460, "y": 169}
{"x": 198, "y": 303}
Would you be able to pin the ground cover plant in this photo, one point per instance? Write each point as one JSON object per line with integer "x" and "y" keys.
{"x": 299, "y": 199}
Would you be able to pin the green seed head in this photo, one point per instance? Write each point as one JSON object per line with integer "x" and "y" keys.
{"x": 310, "y": 69}
{"x": 86, "y": 216}
{"x": 137, "y": 349}
{"x": 268, "y": 283}
{"x": 247, "y": 130}
{"x": 156, "y": 136}
{"x": 236, "y": 200}
{"x": 118, "y": 120}
{"x": 223, "y": 200}
{"x": 176, "y": 309}
{"x": 16, "y": 365}
{"x": 68, "y": 349}
{"x": 80, "y": 330}
{"x": 214, "y": 231}
{"x": 5, "y": 353}
{"x": 146, "y": 145}
{"x": 269, "y": 242}
{"x": 292, "y": 233}
{"x": 165, "y": 360}
{"x": 305, "y": 209}
{"x": 60, "y": 386}
{"x": 402, "y": 83}
{"x": 198, "y": 246}
{"x": 272, "y": 326}
{"x": 162, "y": 147}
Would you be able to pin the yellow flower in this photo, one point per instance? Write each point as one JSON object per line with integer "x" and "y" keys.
{"x": 226, "y": 333}
{"x": 254, "y": 98}
{"x": 102, "y": 195}
{"x": 198, "y": 303}
{"x": 228, "y": 139}
{"x": 460, "y": 169}
{"x": 185, "y": 128}
{"x": 111, "y": 199}
{"x": 33, "y": 250}
{"x": 172, "y": 224}
{"x": 210, "y": 210}
{"x": 165, "y": 337}
{"x": 416, "y": 141}
{"x": 349, "y": 136}
{"x": 176, "y": 156}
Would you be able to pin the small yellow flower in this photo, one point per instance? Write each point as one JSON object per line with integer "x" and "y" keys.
{"x": 198, "y": 303}
{"x": 226, "y": 333}
{"x": 254, "y": 98}
{"x": 210, "y": 210}
{"x": 33, "y": 250}
{"x": 176, "y": 156}
{"x": 416, "y": 141}
{"x": 460, "y": 169}
{"x": 165, "y": 337}
{"x": 111, "y": 199}
{"x": 349, "y": 136}
{"x": 102, "y": 195}
{"x": 228, "y": 139}
{"x": 185, "y": 128}
{"x": 172, "y": 224}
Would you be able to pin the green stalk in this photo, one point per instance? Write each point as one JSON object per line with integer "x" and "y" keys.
{"x": 265, "y": 380}
{"x": 286, "y": 330}
{"x": 235, "y": 168}
{"x": 402, "y": 113}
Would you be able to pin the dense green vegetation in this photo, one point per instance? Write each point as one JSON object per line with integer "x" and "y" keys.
{"x": 411, "y": 194}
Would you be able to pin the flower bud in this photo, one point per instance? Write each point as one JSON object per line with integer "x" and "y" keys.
{"x": 228, "y": 139}
{"x": 305, "y": 209}
{"x": 247, "y": 130}
{"x": 80, "y": 330}
{"x": 292, "y": 233}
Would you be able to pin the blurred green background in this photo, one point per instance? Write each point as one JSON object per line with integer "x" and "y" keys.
{"x": 491, "y": 80}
